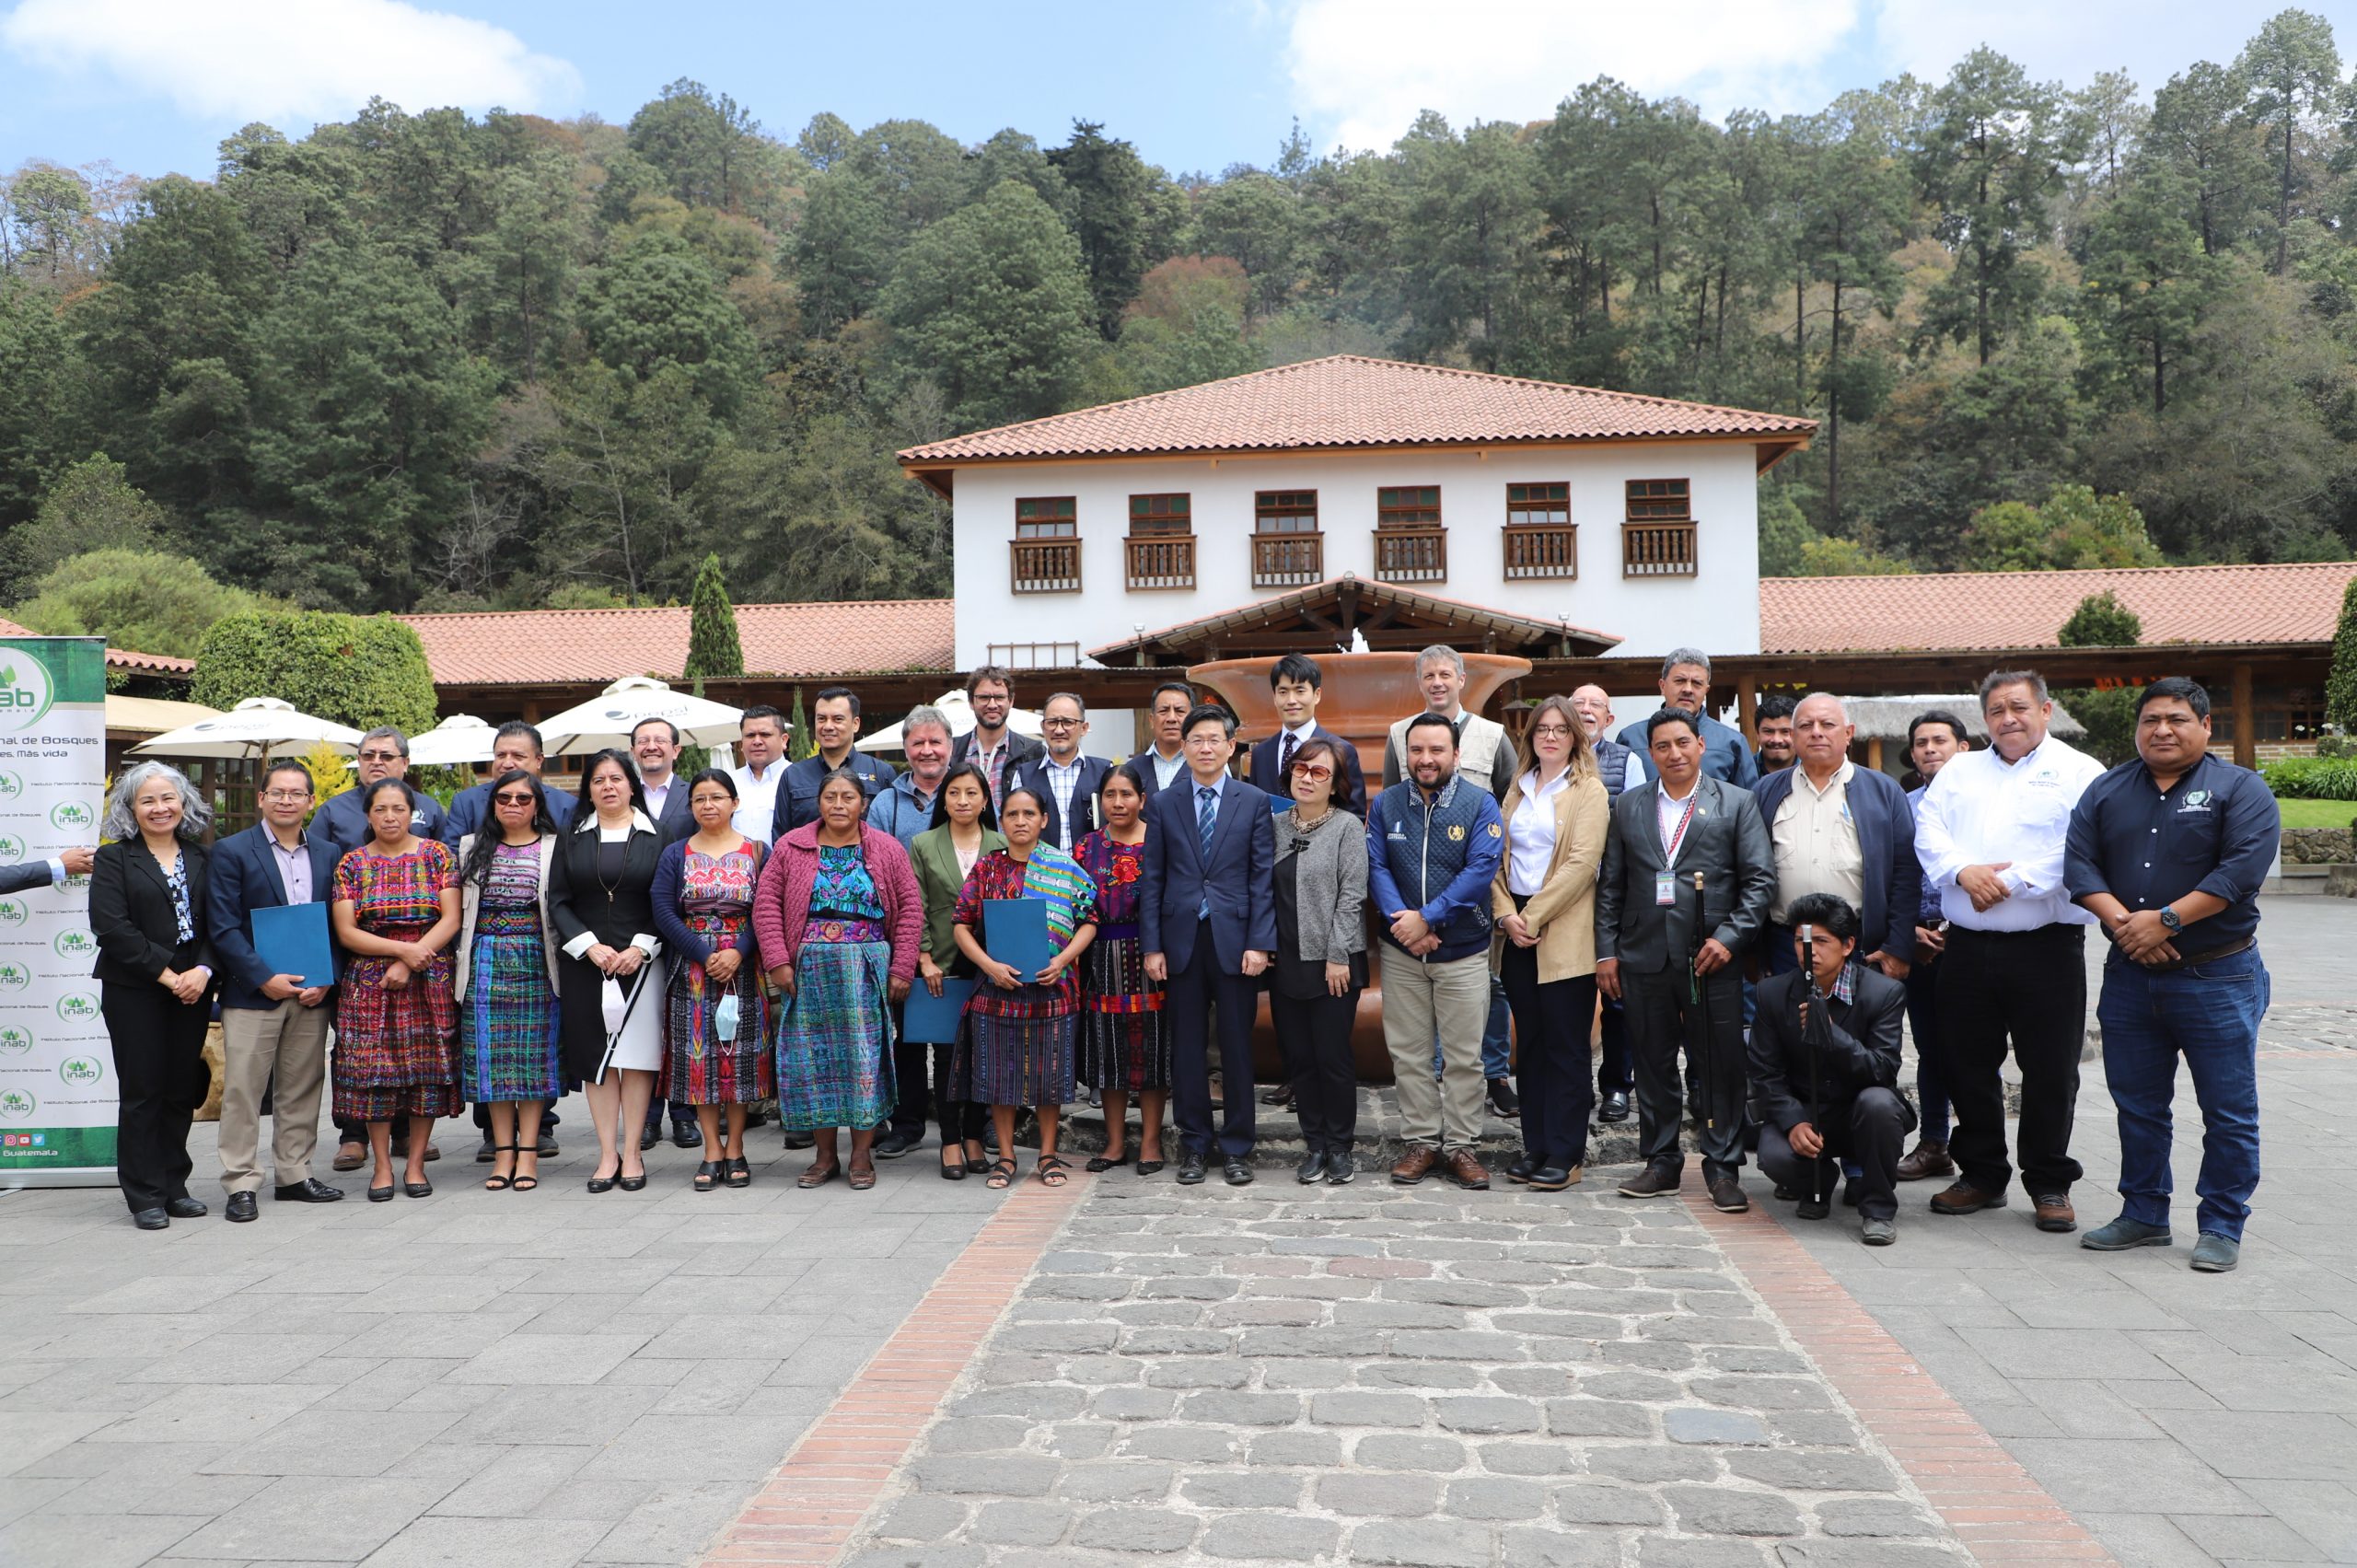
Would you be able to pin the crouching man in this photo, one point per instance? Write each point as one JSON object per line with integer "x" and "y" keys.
{"x": 1825, "y": 1070}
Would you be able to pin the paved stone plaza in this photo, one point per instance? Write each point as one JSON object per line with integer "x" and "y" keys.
{"x": 1370, "y": 1374}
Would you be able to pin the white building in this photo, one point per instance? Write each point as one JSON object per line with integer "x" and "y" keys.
{"x": 1522, "y": 513}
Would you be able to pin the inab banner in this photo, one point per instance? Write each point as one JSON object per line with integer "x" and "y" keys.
{"x": 57, "y": 1089}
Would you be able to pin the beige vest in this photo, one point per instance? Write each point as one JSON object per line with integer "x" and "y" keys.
{"x": 1477, "y": 745}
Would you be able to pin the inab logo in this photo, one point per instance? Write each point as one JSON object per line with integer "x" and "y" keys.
{"x": 81, "y": 1072}
{"x": 71, "y": 817}
{"x": 11, "y": 785}
{"x": 25, "y": 691}
{"x": 14, "y": 977}
{"x": 74, "y": 1006}
{"x": 16, "y": 1105}
{"x": 14, "y": 1041}
{"x": 12, "y": 848}
{"x": 11, "y": 913}
{"x": 75, "y": 944}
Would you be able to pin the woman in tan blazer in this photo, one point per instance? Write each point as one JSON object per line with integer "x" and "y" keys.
{"x": 1544, "y": 900}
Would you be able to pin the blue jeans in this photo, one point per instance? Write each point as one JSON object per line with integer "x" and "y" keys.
{"x": 1931, "y": 1072}
{"x": 2209, "y": 1014}
{"x": 1496, "y": 1057}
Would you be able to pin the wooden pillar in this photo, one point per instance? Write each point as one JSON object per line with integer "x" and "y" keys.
{"x": 2245, "y": 721}
{"x": 1747, "y": 709}
{"x": 1874, "y": 752}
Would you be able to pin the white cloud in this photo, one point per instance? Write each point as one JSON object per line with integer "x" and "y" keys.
{"x": 1361, "y": 69}
{"x": 275, "y": 59}
{"x": 2071, "y": 43}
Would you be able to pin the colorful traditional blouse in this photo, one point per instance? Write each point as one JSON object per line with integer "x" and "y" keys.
{"x": 1069, "y": 893}
{"x": 1119, "y": 870}
{"x": 844, "y": 886}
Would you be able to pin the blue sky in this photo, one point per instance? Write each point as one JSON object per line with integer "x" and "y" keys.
{"x": 153, "y": 85}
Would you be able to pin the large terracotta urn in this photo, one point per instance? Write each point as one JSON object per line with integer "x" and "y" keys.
{"x": 1365, "y": 694}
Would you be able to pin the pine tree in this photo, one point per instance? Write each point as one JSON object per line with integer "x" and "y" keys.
{"x": 2341, "y": 686}
{"x": 799, "y": 743}
{"x": 714, "y": 649}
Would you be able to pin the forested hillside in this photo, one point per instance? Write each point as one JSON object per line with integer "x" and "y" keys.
{"x": 425, "y": 360}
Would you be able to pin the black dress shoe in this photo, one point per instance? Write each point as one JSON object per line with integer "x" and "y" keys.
{"x": 1811, "y": 1208}
{"x": 1190, "y": 1170}
{"x": 1788, "y": 1194}
{"x": 548, "y": 1145}
{"x": 1312, "y": 1167}
{"x": 649, "y": 1135}
{"x": 1281, "y": 1094}
{"x": 1238, "y": 1173}
{"x": 311, "y": 1189}
{"x": 1520, "y": 1167}
{"x": 686, "y": 1134}
{"x": 186, "y": 1208}
{"x": 897, "y": 1141}
{"x": 241, "y": 1208}
{"x": 1615, "y": 1107}
{"x": 151, "y": 1219}
{"x": 800, "y": 1140}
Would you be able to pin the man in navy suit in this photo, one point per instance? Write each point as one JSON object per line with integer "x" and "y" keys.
{"x": 50, "y": 873}
{"x": 655, "y": 747}
{"x": 1208, "y": 917}
{"x": 273, "y": 1027}
{"x": 343, "y": 821}
{"x": 1064, "y": 776}
{"x": 514, "y": 745}
{"x": 1296, "y": 684}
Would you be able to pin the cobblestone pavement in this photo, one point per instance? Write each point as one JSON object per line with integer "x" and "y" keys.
{"x": 1403, "y": 1376}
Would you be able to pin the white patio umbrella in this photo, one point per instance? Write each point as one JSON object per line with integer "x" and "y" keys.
{"x": 960, "y": 715}
{"x": 460, "y": 740}
{"x": 256, "y": 727}
{"x": 607, "y": 719}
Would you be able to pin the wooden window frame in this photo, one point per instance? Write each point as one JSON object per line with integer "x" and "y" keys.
{"x": 1044, "y": 555}
{"x": 1548, "y": 548}
{"x": 1295, "y": 545}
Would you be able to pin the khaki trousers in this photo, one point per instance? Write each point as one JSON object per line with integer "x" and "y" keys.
{"x": 1423, "y": 1000}
{"x": 288, "y": 1043}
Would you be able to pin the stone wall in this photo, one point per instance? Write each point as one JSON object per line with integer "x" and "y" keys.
{"x": 2317, "y": 846}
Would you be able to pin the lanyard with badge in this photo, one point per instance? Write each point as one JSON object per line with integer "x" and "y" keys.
{"x": 1666, "y": 880}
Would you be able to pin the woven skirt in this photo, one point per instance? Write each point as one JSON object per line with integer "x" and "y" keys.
{"x": 705, "y": 1069}
{"x": 1124, "y": 1031}
{"x": 508, "y": 1026}
{"x": 395, "y": 1050}
{"x": 1015, "y": 1060}
{"x": 834, "y": 1038}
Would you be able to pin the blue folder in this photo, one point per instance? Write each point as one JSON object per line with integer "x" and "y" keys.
{"x": 932, "y": 1020}
{"x": 293, "y": 939}
{"x": 1014, "y": 932}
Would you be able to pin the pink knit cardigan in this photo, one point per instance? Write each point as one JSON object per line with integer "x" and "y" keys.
{"x": 782, "y": 901}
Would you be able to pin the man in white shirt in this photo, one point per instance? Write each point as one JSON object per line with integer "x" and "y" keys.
{"x": 1165, "y": 762}
{"x": 760, "y": 735}
{"x": 1990, "y": 834}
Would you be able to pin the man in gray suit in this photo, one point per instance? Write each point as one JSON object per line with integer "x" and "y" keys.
{"x": 1688, "y": 876}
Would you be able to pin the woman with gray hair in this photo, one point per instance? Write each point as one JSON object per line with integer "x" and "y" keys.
{"x": 155, "y": 972}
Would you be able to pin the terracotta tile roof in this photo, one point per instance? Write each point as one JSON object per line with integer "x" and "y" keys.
{"x": 2297, "y": 603}
{"x": 1349, "y": 400}
{"x": 119, "y": 658}
{"x": 827, "y": 637}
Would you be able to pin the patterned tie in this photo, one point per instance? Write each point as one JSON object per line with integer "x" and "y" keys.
{"x": 1284, "y": 758}
{"x": 1206, "y": 816}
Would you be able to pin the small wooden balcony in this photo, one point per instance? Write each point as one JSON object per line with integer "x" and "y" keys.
{"x": 1046, "y": 565}
{"x": 1159, "y": 561}
{"x": 1658, "y": 549}
{"x": 1288, "y": 560}
{"x": 1412, "y": 555}
{"x": 1542, "y": 550}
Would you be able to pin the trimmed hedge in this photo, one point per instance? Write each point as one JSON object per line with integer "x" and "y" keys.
{"x": 2312, "y": 778}
{"x": 360, "y": 670}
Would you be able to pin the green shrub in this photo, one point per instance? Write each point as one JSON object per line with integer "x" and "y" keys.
{"x": 2312, "y": 778}
{"x": 360, "y": 670}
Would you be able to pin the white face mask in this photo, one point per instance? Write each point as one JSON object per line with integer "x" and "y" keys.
{"x": 723, "y": 1017}
{"x": 615, "y": 1006}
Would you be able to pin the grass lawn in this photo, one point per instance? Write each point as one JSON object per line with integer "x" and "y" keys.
{"x": 2317, "y": 813}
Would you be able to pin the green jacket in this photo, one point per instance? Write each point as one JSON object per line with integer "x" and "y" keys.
{"x": 936, "y": 860}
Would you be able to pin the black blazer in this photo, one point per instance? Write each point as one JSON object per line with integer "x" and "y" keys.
{"x": 1726, "y": 843}
{"x": 243, "y": 878}
{"x": 1033, "y": 776}
{"x": 577, "y": 903}
{"x": 677, "y": 822}
{"x": 1858, "y": 1051}
{"x": 1020, "y": 748}
{"x": 131, "y": 916}
{"x": 1350, "y": 790}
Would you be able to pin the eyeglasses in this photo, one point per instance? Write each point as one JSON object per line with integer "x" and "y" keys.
{"x": 1551, "y": 731}
{"x": 1058, "y": 724}
{"x": 1312, "y": 770}
{"x": 382, "y": 756}
{"x": 287, "y": 796}
{"x": 512, "y": 799}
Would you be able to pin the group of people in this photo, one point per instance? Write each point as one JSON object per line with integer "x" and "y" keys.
{"x": 819, "y": 934}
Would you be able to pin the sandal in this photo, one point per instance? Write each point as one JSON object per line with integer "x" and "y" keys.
{"x": 739, "y": 1173}
{"x": 1001, "y": 1176}
{"x": 526, "y": 1180}
{"x": 707, "y": 1176}
{"x": 497, "y": 1183}
{"x": 862, "y": 1177}
{"x": 818, "y": 1175}
{"x": 1052, "y": 1171}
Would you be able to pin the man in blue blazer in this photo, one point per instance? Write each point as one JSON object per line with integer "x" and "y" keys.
{"x": 1296, "y": 684}
{"x": 1685, "y": 683}
{"x": 1066, "y": 777}
{"x": 273, "y": 1026}
{"x": 514, "y": 745}
{"x": 1842, "y": 829}
{"x": 383, "y": 753}
{"x": 1207, "y": 918}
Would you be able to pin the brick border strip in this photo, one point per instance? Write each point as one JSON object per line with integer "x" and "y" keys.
{"x": 1996, "y": 1509}
{"x": 807, "y": 1510}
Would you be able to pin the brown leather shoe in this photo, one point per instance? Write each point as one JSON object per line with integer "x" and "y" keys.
{"x": 1415, "y": 1165}
{"x": 1653, "y": 1181}
{"x": 1926, "y": 1158}
{"x": 1467, "y": 1171}
{"x": 2054, "y": 1212}
{"x": 1963, "y": 1198}
{"x": 1727, "y": 1196}
{"x": 351, "y": 1156}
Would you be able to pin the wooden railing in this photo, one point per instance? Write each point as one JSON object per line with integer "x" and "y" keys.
{"x": 1658, "y": 549}
{"x": 1542, "y": 550}
{"x": 1412, "y": 555}
{"x": 1160, "y": 561}
{"x": 1288, "y": 560}
{"x": 1046, "y": 565}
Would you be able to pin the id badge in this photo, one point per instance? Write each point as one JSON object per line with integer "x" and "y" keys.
{"x": 1665, "y": 889}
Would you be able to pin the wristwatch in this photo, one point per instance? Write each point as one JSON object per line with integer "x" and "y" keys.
{"x": 2169, "y": 917}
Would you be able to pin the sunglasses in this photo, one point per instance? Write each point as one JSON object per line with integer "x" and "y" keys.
{"x": 512, "y": 800}
{"x": 1312, "y": 770}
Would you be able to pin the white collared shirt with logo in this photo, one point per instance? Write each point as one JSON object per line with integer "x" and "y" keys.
{"x": 1980, "y": 811}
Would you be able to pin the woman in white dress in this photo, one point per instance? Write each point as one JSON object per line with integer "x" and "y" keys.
{"x": 601, "y": 898}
